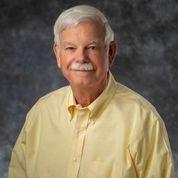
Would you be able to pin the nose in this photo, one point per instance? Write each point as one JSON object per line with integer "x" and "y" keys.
{"x": 81, "y": 55}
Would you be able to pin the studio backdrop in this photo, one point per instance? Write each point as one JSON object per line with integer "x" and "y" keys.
{"x": 146, "y": 61}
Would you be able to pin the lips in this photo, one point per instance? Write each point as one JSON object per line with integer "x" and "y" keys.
{"x": 82, "y": 67}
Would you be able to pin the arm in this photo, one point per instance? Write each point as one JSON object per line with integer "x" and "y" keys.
{"x": 152, "y": 153}
{"x": 17, "y": 165}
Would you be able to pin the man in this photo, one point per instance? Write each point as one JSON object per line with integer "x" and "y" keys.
{"x": 96, "y": 127}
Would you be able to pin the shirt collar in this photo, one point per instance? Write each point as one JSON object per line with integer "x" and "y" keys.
{"x": 99, "y": 103}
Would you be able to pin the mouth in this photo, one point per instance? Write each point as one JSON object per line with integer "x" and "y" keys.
{"x": 77, "y": 70}
{"x": 86, "y": 67}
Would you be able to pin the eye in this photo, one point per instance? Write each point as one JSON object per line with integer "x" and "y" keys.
{"x": 70, "y": 48}
{"x": 92, "y": 47}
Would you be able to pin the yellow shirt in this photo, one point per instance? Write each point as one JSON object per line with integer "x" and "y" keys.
{"x": 119, "y": 135}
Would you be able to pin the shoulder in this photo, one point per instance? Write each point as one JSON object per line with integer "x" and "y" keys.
{"x": 136, "y": 105}
{"x": 56, "y": 95}
{"x": 133, "y": 100}
{"x": 144, "y": 120}
{"x": 143, "y": 117}
{"x": 48, "y": 104}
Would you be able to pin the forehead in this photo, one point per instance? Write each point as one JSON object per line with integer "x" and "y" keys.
{"x": 88, "y": 30}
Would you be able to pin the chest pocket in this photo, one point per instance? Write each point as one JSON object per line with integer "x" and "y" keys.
{"x": 102, "y": 169}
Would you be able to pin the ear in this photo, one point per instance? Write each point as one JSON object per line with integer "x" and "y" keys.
{"x": 56, "y": 50}
{"x": 112, "y": 52}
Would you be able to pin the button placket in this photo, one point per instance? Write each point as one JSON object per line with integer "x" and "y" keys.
{"x": 81, "y": 124}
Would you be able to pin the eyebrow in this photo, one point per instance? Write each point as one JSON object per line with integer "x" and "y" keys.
{"x": 67, "y": 43}
{"x": 94, "y": 42}
{"x": 90, "y": 43}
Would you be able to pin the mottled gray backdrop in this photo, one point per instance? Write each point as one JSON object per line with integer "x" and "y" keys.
{"x": 147, "y": 58}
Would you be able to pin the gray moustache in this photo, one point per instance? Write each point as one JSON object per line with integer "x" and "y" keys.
{"x": 82, "y": 67}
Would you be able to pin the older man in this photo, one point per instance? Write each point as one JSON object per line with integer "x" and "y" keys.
{"x": 96, "y": 127}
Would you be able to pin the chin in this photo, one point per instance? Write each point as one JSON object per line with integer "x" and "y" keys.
{"x": 81, "y": 84}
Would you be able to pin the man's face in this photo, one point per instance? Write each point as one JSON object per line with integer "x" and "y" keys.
{"x": 83, "y": 56}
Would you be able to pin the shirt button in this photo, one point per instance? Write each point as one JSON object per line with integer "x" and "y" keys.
{"x": 92, "y": 122}
{"x": 74, "y": 159}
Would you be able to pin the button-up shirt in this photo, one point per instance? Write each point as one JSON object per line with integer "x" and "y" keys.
{"x": 119, "y": 135}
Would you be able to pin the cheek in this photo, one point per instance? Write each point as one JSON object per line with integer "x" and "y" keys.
{"x": 102, "y": 60}
{"x": 64, "y": 61}
{"x": 98, "y": 57}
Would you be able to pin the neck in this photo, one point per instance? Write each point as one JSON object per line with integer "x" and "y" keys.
{"x": 85, "y": 96}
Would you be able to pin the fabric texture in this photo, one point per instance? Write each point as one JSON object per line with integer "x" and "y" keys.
{"x": 119, "y": 135}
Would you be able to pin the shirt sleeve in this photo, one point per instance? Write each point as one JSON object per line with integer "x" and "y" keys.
{"x": 17, "y": 164}
{"x": 152, "y": 153}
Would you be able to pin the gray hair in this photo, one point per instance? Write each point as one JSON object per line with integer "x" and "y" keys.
{"x": 81, "y": 13}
